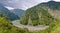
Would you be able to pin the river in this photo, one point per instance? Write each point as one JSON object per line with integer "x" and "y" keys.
{"x": 30, "y": 28}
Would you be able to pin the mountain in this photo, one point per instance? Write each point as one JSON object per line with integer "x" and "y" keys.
{"x": 51, "y": 4}
{"x": 47, "y": 13}
{"x": 41, "y": 14}
{"x": 7, "y": 13}
{"x": 52, "y": 7}
{"x": 18, "y": 12}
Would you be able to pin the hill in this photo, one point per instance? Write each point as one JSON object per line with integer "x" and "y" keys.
{"x": 7, "y": 13}
{"x": 47, "y": 13}
{"x": 18, "y": 12}
{"x": 41, "y": 14}
{"x": 7, "y": 27}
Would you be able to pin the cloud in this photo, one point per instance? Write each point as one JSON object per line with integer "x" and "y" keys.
{"x": 57, "y": 0}
{"x": 10, "y": 8}
{"x": 22, "y": 4}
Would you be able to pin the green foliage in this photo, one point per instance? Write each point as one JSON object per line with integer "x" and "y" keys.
{"x": 7, "y": 27}
{"x": 54, "y": 27}
{"x": 38, "y": 16}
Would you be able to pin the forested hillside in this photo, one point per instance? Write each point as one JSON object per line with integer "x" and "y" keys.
{"x": 40, "y": 14}
{"x": 7, "y": 27}
{"x": 43, "y": 14}
{"x": 7, "y": 13}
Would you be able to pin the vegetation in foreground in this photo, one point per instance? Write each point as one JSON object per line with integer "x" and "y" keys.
{"x": 7, "y": 27}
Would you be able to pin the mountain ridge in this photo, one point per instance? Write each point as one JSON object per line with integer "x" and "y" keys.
{"x": 18, "y": 12}
{"x": 40, "y": 14}
{"x": 7, "y": 13}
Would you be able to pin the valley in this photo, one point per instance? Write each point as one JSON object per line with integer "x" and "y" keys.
{"x": 42, "y": 18}
{"x": 30, "y": 28}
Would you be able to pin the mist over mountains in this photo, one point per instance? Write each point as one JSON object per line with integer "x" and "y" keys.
{"x": 18, "y": 12}
{"x": 4, "y": 11}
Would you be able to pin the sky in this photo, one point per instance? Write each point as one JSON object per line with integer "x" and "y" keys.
{"x": 22, "y": 4}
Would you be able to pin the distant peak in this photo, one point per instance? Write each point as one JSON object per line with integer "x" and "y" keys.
{"x": 51, "y": 1}
{"x": 9, "y": 8}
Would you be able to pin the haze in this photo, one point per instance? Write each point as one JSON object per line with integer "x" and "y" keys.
{"x": 22, "y": 4}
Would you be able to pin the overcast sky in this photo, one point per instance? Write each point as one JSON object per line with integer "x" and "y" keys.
{"x": 22, "y": 4}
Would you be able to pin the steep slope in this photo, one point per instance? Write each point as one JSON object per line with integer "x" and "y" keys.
{"x": 52, "y": 7}
{"x": 51, "y": 4}
{"x": 38, "y": 15}
{"x": 45, "y": 13}
{"x": 7, "y": 13}
{"x": 42, "y": 14}
{"x": 18, "y": 12}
